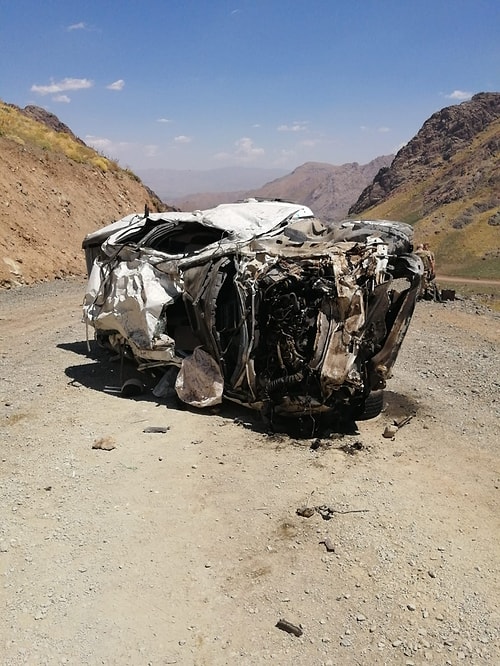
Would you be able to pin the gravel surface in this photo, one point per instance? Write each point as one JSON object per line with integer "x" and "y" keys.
{"x": 184, "y": 545}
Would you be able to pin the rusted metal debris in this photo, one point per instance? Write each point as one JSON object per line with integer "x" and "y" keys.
{"x": 326, "y": 512}
{"x": 290, "y": 628}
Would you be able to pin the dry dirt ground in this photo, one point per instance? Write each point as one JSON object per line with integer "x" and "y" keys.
{"x": 184, "y": 547}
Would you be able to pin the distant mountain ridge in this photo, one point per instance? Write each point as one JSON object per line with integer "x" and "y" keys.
{"x": 446, "y": 181}
{"x": 327, "y": 189}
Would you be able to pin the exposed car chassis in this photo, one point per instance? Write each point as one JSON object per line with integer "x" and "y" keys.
{"x": 259, "y": 298}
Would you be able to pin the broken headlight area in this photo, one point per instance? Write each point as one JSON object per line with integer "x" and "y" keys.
{"x": 283, "y": 314}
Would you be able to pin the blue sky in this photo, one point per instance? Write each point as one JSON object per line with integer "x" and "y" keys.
{"x": 203, "y": 84}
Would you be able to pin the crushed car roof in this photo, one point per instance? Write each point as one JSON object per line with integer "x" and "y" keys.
{"x": 243, "y": 220}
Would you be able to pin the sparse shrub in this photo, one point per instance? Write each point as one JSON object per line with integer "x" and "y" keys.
{"x": 463, "y": 220}
{"x": 101, "y": 163}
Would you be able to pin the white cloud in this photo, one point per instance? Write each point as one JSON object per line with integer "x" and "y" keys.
{"x": 381, "y": 130}
{"x": 183, "y": 139}
{"x": 116, "y": 85}
{"x": 61, "y": 86}
{"x": 246, "y": 150}
{"x": 459, "y": 95}
{"x": 98, "y": 142}
{"x": 310, "y": 143}
{"x": 77, "y": 26}
{"x": 163, "y": 120}
{"x": 296, "y": 126}
{"x": 61, "y": 98}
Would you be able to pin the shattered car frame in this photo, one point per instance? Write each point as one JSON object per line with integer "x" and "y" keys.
{"x": 291, "y": 317}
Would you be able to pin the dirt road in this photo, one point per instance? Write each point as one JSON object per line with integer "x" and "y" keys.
{"x": 185, "y": 547}
{"x": 461, "y": 280}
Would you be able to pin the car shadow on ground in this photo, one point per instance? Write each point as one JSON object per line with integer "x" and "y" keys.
{"x": 110, "y": 374}
{"x": 100, "y": 371}
{"x": 398, "y": 406}
{"x": 106, "y": 373}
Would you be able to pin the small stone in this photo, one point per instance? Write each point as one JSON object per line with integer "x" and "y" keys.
{"x": 431, "y": 573}
{"x": 328, "y": 543}
{"x": 360, "y": 617}
{"x": 104, "y": 443}
{"x": 390, "y": 431}
{"x": 345, "y": 642}
{"x": 396, "y": 643}
{"x": 411, "y": 607}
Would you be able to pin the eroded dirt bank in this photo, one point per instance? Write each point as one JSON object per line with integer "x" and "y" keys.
{"x": 185, "y": 547}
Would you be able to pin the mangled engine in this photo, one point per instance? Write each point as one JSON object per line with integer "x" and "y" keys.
{"x": 324, "y": 330}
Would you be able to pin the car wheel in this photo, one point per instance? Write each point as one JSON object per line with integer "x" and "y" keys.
{"x": 374, "y": 404}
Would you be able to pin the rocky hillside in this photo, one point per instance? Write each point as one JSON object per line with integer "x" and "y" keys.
{"x": 53, "y": 191}
{"x": 446, "y": 181}
{"x": 327, "y": 189}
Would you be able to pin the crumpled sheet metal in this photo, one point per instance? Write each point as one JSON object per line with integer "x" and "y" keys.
{"x": 130, "y": 300}
{"x": 326, "y": 286}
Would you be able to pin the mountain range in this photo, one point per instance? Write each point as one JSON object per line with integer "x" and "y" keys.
{"x": 327, "y": 189}
{"x": 445, "y": 182}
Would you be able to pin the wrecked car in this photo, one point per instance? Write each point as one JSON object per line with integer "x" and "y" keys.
{"x": 258, "y": 302}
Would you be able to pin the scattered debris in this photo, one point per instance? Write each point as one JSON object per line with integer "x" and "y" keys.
{"x": 352, "y": 447}
{"x": 328, "y": 543}
{"x": 156, "y": 429}
{"x": 104, "y": 443}
{"x": 326, "y": 512}
{"x": 306, "y": 511}
{"x": 448, "y": 294}
{"x": 131, "y": 388}
{"x": 390, "y": 431}
{"x": 404, "y": 421}
{"x": 290, "y": 628}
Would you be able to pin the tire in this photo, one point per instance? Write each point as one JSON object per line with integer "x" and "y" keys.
{"x": 373, "y": 406}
